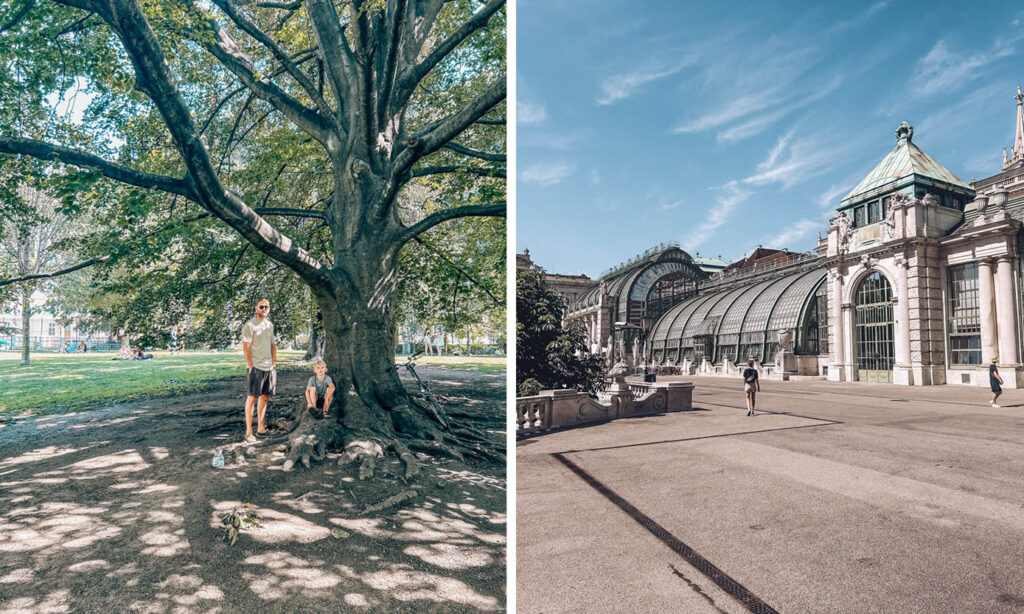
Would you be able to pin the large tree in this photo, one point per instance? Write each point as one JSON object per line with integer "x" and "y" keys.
{"x": 346, "y": 101}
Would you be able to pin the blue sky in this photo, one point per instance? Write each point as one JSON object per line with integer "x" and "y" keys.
{"x": 723, "y": 126}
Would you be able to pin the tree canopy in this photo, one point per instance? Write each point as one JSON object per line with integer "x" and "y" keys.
{"x": 547, "y": 353}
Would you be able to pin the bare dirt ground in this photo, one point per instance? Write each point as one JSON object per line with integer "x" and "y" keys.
{"x": 119, "y": 510}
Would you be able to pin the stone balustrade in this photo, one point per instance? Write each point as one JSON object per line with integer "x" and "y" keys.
{"x": 553, "y": 409}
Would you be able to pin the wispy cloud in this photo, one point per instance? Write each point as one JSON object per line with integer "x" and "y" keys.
{"x": 672, "y": 205}
{"x": 761, "y": 122}
{"x": 859, "y": 19}
{"x": 793, "y": 233}
{"x": 732, "y": 194}
{"x": 739, "y": 107}
{"x": 792, "y": 161}
{"x": 529, "y": 113}
{"x": 621, "y": 86}
{"x": 829, "y": 199}
{"x": 595, "y": 177}
{"x": 547, "y": 174}
{"x": 944, "y": 69}
{"x": 773, "y": 76}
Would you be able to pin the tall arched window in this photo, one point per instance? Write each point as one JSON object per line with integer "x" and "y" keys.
{"x": 874, "y": 329}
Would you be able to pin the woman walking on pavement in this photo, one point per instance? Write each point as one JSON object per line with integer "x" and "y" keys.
{"x": 751, "y": 386}
{"x": 995, "y": 381}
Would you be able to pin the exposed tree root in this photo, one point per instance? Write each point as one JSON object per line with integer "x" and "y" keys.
{"x": 364, "y": 434}
{"x": 392, "y": 501}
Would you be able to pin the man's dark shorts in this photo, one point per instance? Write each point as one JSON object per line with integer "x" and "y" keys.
{"x": 262, "y": 383}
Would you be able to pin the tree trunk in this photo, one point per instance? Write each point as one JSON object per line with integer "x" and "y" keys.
{"x": 315, "y": 351}
{"x": 26, "y": 316}
{"x": 372, "y": 410}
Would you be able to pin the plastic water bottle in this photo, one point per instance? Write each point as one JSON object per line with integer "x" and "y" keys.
{"x": 218, "y": 459}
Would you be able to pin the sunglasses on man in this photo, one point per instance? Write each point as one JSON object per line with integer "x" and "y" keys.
{"x": 263, "y": 306}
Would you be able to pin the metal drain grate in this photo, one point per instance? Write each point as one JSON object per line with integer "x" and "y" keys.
{"x": 736, "y": 590}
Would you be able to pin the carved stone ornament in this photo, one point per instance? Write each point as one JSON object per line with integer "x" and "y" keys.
{"x": 890, "y": 223}
{"x": 867, "y": 261}
{"x": 930, "y": 200}
{"x": 842, "y": 224}
{"x": 785, "y": 339}
{"x": 898, "y": 200}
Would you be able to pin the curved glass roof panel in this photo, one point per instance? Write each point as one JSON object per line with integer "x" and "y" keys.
{"x": 709, "y": 323}
{"x": 671, "y": 324}
{"x": 732, "y": 322}
{"x": 660, "y": 329}
{"x": 700, "y": 313}
{"x": 757, "y": 316}
{"x": 787, "y": 309}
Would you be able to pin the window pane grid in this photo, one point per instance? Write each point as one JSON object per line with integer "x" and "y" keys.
{"x": 964, "y": 315}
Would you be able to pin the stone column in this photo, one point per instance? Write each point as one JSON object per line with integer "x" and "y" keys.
{"x": 903, "y": 314}
{"x": 986, "y": 312}
{"x": 849, "y": 364}
{"x": 1006, "y": 319}
{"x": 838, "y": 335}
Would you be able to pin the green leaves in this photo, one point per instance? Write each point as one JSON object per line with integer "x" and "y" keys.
{"x": 546, "y": 353}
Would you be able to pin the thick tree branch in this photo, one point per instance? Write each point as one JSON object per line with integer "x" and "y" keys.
{"x": 411, "y": 77}
{"x": 476, "y": 153}
{"x": 497, "y": 121}
{"x": 153, "y": 77}
{"x": 410, "y": 232}
{"x": 440, "y": 133}
{"x": 336, "y": 52}
{"x": 172, "y": 226}
{"x": 456, "y": 168}
{"x": 286, "y": 6}
{"x": 74, "y": 157}
{"x": 228, "y": 54}
{"x": 286, "y": 62}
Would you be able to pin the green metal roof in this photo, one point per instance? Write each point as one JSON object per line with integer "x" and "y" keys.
{"x": 905, "y": 160}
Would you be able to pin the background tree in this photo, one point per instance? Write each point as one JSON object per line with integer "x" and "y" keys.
{"x": 31, "y": 240}
{"x": 329, "y": 109}
{"x": 549, "y": 356}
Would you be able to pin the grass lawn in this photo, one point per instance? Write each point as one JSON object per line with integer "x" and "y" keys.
{"x": 67, "y": 382}
{"x": 483, "y": 364}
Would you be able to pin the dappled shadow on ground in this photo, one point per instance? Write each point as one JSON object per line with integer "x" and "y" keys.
{"x": 121, "y": 511}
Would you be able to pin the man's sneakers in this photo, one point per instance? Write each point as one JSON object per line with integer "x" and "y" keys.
{"x": 750, "y": 412}
{"x": 996, "y": 406}
{"x": 250, "y": 439}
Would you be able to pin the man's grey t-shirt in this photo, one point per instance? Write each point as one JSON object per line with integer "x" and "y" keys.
{"x": 259, "y": 336}
{"x": 321, "y": 387}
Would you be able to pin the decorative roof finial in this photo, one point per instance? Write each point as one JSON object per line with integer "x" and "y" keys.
{"x": 1018, "y": 142}
{"x": 904, "y": 132}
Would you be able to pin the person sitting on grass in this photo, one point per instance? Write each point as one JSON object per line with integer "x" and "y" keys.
{"x": 319, "y": 389}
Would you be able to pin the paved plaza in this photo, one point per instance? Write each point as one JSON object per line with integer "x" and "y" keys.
{"x": 841, "y": 497}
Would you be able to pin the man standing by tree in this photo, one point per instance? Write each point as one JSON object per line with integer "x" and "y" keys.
{"x": 261, "y": 360}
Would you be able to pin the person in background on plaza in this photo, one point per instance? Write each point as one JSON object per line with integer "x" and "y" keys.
{"x": 995, "y": 381}
{"x": 174, "y": 340}
{"x": 261, "y": 361}
{"x": 751, "y": 386}
{"x": 319, "y": 389}
{"x": 439, "y": 341}
{"x": 428, "y": 343}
